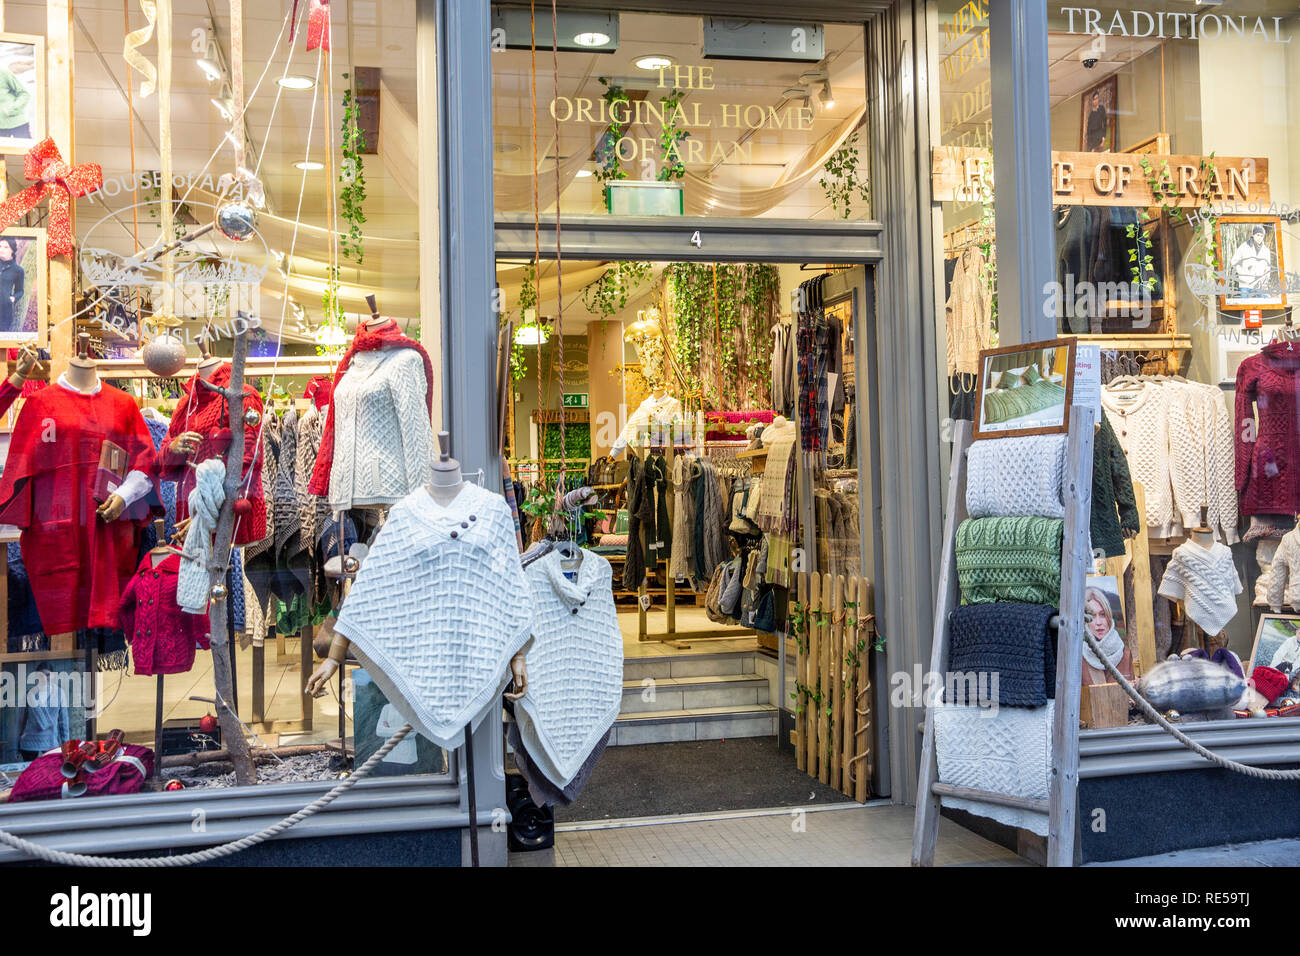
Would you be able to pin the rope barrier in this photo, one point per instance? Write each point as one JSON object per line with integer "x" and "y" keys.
{"x": 216, "y": 852}
{"x": 1263, "y": 773}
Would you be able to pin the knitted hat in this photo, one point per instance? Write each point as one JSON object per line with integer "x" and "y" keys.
{"x": 1269, "y": 681}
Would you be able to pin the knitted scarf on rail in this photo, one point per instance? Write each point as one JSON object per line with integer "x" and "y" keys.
{"x": 366, "y": 340}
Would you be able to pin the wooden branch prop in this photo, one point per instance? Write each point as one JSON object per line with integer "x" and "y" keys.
{"x": 232, "y": 731}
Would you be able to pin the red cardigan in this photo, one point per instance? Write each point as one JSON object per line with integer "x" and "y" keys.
{"x": 204, "y": 411}
{"x": 1268, "y": 452}
{"x": 161, "y": 635}
{"x": 77, "y": 564}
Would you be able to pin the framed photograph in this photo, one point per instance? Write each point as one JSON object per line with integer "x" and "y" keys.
{"x": 1025, "y": 389}
{"x": 1250, "y": 249}
{"x": 22, "y": 286}
{"x": 1097, "y": 127}
{"x": 1277, "y": 643}
{"x": 22, "y": 92}
{"x": 1104, "y": 620}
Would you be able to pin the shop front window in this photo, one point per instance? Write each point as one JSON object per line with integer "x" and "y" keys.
{"x": 679, "y": 115}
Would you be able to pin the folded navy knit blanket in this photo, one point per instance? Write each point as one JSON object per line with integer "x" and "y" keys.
{"x": 1005, "y": 638}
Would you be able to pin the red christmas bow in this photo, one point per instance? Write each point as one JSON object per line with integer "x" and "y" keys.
{"x": 53, "y": 178}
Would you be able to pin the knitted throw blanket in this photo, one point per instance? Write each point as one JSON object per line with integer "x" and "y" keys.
{"x": 1006, "y": 751}
{"x": 438, "y": 609}
{"x": 366, "y": 340}
{"x": 1009, "y": 559}
{"x": 1016, "y": 476}
{"x": 575, "y": 665}
{"x": 1009, "y": 640}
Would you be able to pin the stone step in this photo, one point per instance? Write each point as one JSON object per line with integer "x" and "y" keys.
{"x": 691, "y": 693}
{"x": 688, "y": 665}
{"x": 699, "y": 723}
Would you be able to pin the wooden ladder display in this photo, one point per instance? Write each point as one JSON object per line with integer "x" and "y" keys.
{"x": 1061, "y": 805}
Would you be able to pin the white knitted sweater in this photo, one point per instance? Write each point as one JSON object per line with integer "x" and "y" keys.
{"x": 1140, "y": 418}
{"x": 575, "y": 665}
{"x": 1023, "y": 475}
{"x": 651, "y": 421}
{"x": 439, "y": 608}
{"x": 1206, "y": 581}
{"x": 383, "y": 438}
{"x": 1284, "y": 573}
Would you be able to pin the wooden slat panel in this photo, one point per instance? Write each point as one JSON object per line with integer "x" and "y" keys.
{"x": 837, "y": 680}
{"x": 814, "y": 655}
{"x": 850, "y": 682}
{"x": 801, "y": 680}
{"x": 824, "y": 685}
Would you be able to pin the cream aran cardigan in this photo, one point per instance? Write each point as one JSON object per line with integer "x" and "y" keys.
{"x": 1284, "y": 573}
{"x": 383, "y": 439}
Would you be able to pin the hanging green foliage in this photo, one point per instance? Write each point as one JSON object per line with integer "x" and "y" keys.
{"x": 671, "y": 135}
{"x": 843, "y": 182}
{"x": 609, "y": 167}
{"x": 352, "y": 176}
{"x": 527, "y": 300}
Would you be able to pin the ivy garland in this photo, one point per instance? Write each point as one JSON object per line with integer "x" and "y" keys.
{"x": 842, "y": 181}
{"x": 670, "y": 138}
{"x": 352, "y": 176}
{"x": 331, "y": 307}
{"x": 527, "y": 300}
{"x": 609, "y": 166}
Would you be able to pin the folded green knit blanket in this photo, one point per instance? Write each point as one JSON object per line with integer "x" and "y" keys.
{"x": 1009, "y": 559}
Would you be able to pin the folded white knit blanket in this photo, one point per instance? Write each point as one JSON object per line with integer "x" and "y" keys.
{"x": 1023, "y": 475}
{"x": 439, "y": 608}
{"x": 1007, "y": 750}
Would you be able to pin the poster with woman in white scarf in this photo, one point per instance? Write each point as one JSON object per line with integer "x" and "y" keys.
{"x": 1104, "y": 620}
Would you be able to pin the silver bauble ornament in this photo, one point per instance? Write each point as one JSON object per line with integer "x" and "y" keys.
{"x": 236, "y": 219}
{"x": 1258, "y": 712}
{"x": 1173, "y": 716}
{"x": 343, "y": 774}
{"x": 252, "y": 417}
{"x": 351, "y": 565}
{"x": 219, "y": 592}
{"x": 164, "y": 355}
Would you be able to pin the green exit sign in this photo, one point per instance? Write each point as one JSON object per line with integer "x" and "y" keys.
{"x": 575, "y": 400}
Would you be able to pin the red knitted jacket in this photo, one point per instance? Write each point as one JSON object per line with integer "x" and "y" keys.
{"x": 163, "y": 638}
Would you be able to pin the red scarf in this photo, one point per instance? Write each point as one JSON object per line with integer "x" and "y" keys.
{"x": 366, "y": 340}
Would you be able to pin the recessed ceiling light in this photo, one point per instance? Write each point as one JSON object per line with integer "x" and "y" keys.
{"x": 653, "y": 62}
{"x": 591, "y": 39}
{"x": 583, "y": 174}
{"x": 296, "y": 82}
{"x": 309, "y": 165}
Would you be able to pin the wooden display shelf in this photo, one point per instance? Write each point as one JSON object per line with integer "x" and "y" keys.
{"x": 1154, "y": 341}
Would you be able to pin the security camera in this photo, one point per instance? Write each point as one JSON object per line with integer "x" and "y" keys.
{"x": 1089, "y": 62}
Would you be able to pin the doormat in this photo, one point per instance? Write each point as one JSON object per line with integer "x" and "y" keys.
{"x": 704, "y": 776}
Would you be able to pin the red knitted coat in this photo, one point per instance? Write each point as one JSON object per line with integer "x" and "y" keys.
{"x": 77, "y": 563}
{"x": 1268, "y": 451}
{"x": 204, "y": 411}
{"x": 163, "y": 638}
{"x": 366, "y": 340}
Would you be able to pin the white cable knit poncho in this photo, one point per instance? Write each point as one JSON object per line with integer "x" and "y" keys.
{"x": 1206, "y": 581}
{"x": 575, "y": 665}
{"x": 438, "y": 609}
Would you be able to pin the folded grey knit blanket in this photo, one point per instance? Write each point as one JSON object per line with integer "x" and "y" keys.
{"x": 1006, "y": 639}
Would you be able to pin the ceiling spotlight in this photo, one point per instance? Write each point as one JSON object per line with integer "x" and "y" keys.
{"x": 210, "y": 70}
{"x": 827, "y": 98}
{"x": 591, "y": 39}
{"x": 296, "y": 82}
{"x": 224, "y": 110}
{"x": 655, "y": 61}
{"x": 583, "y": 174}
{"x": 309, "y": 165}
{"x": 794, "y": 93}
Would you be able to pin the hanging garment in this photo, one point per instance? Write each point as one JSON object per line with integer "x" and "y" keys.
{"x": 313, "y": 511}
{"x": 1280, "y": 583}
{"x": 1206, "y": 581}
{"x": 283, "y": 568}
{"x": 774, "y": 512}
{"x": 439, "y": 608}
{"x": 1114, "y": 508}
{"x": 1140, "y": 419}
{"x": 1074, "y": 243}
{"x": 575, "y": 665}
{"x": 641, "y": 519}
{"x": 710, "y": 546}
{"x": 783, "y": 380}
{"x": 969, "y": 315}
{"x": 540, "y": 789}
{"x": 660, "y": 543}
{"x": 206, "y": 499}
{"x": 163, "y": 638}
{"x": 203, "y": 411}
{"x": 377, "y": 443}
{"x": 1268, "y": 452}
{"x": 679, "y": 555}
{"x": 77, "y": 563}
{"x": 158, "y": 428}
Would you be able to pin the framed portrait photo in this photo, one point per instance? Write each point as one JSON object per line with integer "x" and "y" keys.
{"x": 22, "y": 286}
{"x": 1097, "y": 125}
{"x": 1250, "y": 250}
{"x": 1277, "y": 644}
{"x": 1025, "y": 389}
{"x": 22, "y": 92}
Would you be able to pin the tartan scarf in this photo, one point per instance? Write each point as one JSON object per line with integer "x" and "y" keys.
{"x": 366, "y": 340}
